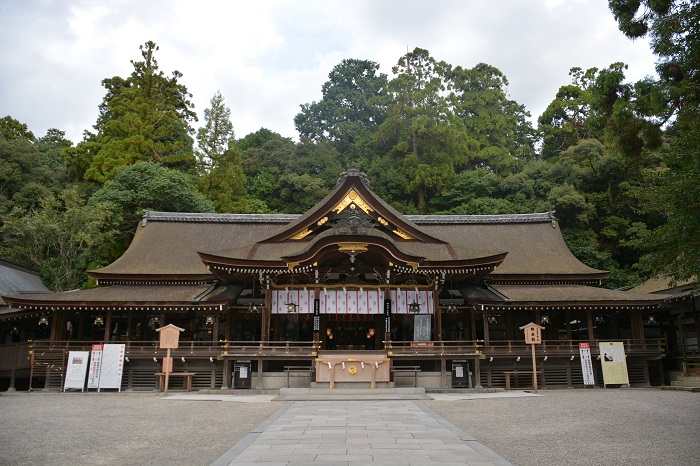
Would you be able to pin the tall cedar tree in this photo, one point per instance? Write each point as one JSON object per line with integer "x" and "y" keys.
{"x": 145, "y": 117}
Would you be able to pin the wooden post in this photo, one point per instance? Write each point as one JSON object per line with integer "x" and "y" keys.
{"x": 534, "y": 368}
{"x": 167, "y": 371}
{"x": 533, "y": 336}
{"x": 169, "y": 338}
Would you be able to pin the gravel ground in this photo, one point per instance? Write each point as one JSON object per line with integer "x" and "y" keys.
{"x": 121, "y": 429}
{"x": 584, "y": 427}
{"x": 561, "y": 427}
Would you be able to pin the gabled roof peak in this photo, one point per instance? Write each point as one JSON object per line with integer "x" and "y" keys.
{"x": 353, "y": 170}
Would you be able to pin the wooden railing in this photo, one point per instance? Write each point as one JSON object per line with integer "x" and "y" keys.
{"x": 15, "y": 356}
{"x": 517, "y": 348}
{"x": 148, "y": 349}
{"x": 308, "y": 349}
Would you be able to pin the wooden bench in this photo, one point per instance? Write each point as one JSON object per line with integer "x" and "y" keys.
{"x": 400, "y": 370}
{"x": 299, "y": 370}
{"x": 186, "y": 375}
{"x": 516, "y": 373}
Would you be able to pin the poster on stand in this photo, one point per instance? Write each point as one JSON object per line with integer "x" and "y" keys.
{"x": 614, "y": 363}
{"x": 76, "y": 370}
{"x": 112, "y": 366}
{"x": 584, "y": 350}
{"x": 95, "y": 366}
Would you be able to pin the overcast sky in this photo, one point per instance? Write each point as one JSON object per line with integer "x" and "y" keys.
{"x": 268, "y": 57}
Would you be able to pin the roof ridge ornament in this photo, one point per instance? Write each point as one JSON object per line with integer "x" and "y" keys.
{"x": 353, "y": 169}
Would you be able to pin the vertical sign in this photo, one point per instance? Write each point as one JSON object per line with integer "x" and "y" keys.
{"x": 317, "y": 315}
{"x": 95, "y": 366}
{"x": 76, "y": 370}
{"x": 112, "y": 366}
{"x": 584, "y": 350}
{"x": 387, "y": 316}
{"x": 612, "y": 359}
{"x": 421, "y": 328}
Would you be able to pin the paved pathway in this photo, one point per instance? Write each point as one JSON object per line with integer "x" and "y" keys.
{"x": 355, "y": 432}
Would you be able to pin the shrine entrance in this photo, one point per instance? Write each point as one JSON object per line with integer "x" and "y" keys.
{"x": 352, "y": 332}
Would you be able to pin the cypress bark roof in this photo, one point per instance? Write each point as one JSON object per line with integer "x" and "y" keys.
{"x": 568, "y": 294}
{"x": 128, "y": 295}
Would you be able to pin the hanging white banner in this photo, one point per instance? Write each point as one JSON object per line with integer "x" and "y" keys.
{"x": 401, "y": 300}
{"x": 334, "y": 301}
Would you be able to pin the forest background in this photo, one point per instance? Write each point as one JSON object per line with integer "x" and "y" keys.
{"x": 617, "y": 161}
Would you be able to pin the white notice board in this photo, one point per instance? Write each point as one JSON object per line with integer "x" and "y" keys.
{"x": 95, "y": 366}
{"x": 112, "y": 366}
{"x": 76, "y": 370}
{"x": 584, "y": 350}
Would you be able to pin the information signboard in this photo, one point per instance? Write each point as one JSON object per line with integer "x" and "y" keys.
{"x": 614, "y": 363}
{"x": 584, "y": 350}
{"x": 76, "y": 370}
{"x": 112, "y": 366}
{"x": 421, "y": 328}
{"x": 95, "y": 366}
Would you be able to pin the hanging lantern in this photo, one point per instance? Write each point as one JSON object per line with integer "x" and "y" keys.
{"x": 153, "y": 321}
{"x": 43, "y": 321}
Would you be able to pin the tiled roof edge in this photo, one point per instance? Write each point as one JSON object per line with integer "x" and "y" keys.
{"x": 541, "y": 217}
{"x": 151, "y": 216}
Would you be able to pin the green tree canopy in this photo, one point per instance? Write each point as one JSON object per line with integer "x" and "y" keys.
{"x": 421, "y": 130}
{"x": 147, "y": 186}
{"x": 62, "y": 238}
{"x": 499, "y": 125}
{"x": 349, "y": 112}
{"x": 674, "y": 99}
{"x": 145, "y": 117}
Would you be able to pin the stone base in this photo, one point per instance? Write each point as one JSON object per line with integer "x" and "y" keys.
{"x": 351, "y": 391}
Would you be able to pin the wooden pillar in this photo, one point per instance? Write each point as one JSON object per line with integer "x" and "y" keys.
{"x": 228, "y": 319}
{"x": 260, "y": 374}
{"x": 487, "y": 340}
{"x": 477, "y": 372}
{"x": 266, "y": 316}
{"x": 637, "y": 325}
{"x": 443, "y": 371}
{"x": 589, "y": 322}
{"x": 438, "y": 313}
{"x": 58, "y": 325}
{"x": 14, "y": 359}
{"x": 108, "y": 324}
{"x": 472, "y": 322}
{"x": 129, "y": 323}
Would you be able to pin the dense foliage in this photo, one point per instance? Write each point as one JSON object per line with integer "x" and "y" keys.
{"x": 617, "y": 161}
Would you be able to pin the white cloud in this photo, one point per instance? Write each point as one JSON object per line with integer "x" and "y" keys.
{"x": 268, "y": 57}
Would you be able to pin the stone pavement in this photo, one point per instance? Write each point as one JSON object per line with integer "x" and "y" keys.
{"x": 355, "y": 432}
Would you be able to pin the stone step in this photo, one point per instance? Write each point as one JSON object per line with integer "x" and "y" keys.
{"x": 679, "y": 388}
{"x": 686, "y": 382}
{"x": 345, "y": 391}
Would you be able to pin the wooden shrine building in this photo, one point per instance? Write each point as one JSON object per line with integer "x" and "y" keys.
{"x": 352, "y": 290}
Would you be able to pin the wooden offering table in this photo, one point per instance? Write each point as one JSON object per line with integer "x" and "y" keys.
{"x": 348, "y": 366}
